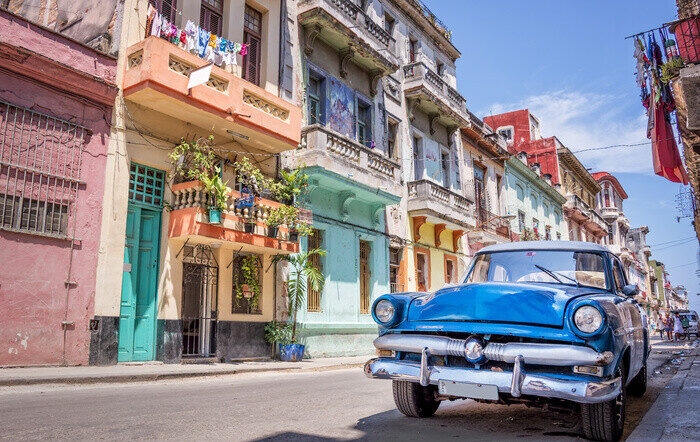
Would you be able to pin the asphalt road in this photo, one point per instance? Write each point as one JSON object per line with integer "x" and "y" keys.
{"x": 329, "y": 405}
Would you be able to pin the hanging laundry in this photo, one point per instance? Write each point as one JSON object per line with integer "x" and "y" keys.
{"x": 191, "y": 32}
{"x": 203, "y": 42}
{"x": 244, "y": 49}
{"x": 156, "y": 26}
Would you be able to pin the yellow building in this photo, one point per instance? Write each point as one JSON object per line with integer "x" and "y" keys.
{"x": 169, "y": 280}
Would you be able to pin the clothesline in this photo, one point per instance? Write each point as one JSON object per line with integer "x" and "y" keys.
{"x": 194, "y": 39}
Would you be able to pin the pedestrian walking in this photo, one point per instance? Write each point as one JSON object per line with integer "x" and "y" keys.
{"x": 677, "y": 328}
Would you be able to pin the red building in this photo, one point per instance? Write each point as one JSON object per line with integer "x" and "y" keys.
{"x": 56, "y": 103}
{"x": 521, "y": 130}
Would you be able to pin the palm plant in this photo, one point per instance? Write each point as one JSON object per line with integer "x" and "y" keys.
{"x": 302, "y": 271}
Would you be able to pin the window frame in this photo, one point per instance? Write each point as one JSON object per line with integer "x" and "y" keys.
{"x": 321, "y": 99}
{"x": 365, "y": 103}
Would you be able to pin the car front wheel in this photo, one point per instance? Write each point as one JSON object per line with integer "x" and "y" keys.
{"x": 638, "y": 384}
{"x": 605, "y": 421}
{"x": 414, "y": 400}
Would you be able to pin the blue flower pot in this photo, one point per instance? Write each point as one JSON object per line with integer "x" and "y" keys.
{"x": 291, "y": 352}
{"x": 215, "y": 216}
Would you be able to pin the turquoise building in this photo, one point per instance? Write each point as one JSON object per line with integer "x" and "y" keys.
{"x": 535, "y": 202}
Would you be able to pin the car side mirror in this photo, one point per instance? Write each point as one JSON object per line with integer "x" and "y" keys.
{"x": 630, "y": 290}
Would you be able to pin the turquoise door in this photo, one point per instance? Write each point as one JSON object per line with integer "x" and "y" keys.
{"x": 137, "y": 319}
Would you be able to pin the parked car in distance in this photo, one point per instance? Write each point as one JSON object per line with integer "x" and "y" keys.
{"x": 689, "y": 319}
{"x": 543, "y": 323}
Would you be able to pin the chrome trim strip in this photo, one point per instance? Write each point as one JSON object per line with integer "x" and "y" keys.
{"x": 531, "y": 384}
{"x": 532, "y": 353}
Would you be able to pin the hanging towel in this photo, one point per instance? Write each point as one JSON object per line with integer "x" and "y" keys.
{"x": 155, "y": 27}
{"x": 203, "y": 42}
{"x": 244, "y": 49}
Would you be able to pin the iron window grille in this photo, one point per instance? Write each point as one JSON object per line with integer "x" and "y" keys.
{"x": 394, "y": 264}
{"x": 146, "y": 185}
{"x": 245, "y": 298}
{"x": 40, "y": 161}
{"x": 365, "y": 273}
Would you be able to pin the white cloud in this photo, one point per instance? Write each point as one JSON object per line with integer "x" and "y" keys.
{"x": 588, "y": 120}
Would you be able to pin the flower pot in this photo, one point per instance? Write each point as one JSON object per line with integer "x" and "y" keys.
{"x": 248, "y": 226}
{"x": 291, "y": 352}
{"x": 272, "y": 231}
{"x": 215, "y": 216}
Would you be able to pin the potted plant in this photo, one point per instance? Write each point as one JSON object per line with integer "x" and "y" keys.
{"x": 248, "y": 283}
{"x": 280, "y": 333}
{"x": 216, "y": 188}
{"x": 302, "y": 271}
{"x": 292, "y": 185}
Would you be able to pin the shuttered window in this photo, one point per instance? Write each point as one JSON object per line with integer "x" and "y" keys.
{"x": 167, "y": 8}
{"x": 252, "y": 35}
{"x": 315, "y": 241}
{"x": 365, "y": 273}
{"x": 211, "y": 16}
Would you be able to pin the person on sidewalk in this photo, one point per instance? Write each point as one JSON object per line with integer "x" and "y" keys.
{"x": 677, "y": 328}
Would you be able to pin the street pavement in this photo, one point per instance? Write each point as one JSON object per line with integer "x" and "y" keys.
{"x": 328, "y": 405}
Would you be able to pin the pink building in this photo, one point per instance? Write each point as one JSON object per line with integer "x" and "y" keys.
{"x": 56, "y": 103}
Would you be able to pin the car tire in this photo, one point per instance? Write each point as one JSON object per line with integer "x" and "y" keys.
{"x": 605, "y": 421}
{"x": 638, "y": 384}
{"x": 414, "y": 400}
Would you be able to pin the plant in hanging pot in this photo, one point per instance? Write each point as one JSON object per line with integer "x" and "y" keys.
{"x": 301, "y": 271}
{"x": 247, "y": 284}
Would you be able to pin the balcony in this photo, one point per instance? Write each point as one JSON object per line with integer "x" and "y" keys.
{"x": 424, "y": 88}
{"x": 623, "y": 221}
{"x": 189, "y": 219}
{"x": 576, "y": 209}
{"x": 646, "y": 250}
{"x": 439, "y": 204}
{"x": 625, "y": 255}
{"x": 596, "y": 223}
{"x": 344, "y": 26}
{"x": 323, "y": 147}
{"x": 156, "y": 78}
{"x": 610, "y": 213}
{"x": 491, "y": 229}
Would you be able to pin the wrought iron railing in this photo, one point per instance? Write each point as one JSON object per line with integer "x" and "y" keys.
{"x": 493, "y": 223}
{"x": 434, "y": 20}
{"x": 419, "y": 71}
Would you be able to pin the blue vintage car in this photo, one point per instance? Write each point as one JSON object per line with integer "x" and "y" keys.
{"x": 545, "y": 322}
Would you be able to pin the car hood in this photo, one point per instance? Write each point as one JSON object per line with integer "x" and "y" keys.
{"x": 537, "y": 304}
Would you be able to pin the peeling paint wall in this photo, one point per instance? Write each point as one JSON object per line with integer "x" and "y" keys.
{"x": 33, "y": 298}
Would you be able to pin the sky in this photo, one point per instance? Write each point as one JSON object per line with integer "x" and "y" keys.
{"x": 569, "y": 63}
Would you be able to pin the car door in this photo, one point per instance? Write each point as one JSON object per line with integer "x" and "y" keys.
{"x": 631, "y": 320}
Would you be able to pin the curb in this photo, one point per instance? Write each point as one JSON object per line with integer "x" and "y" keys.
{"x": 148, "y": 377}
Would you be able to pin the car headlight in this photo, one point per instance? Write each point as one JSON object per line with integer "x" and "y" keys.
{"x": 588, "y": 319}
{"x": 384, "y": 311}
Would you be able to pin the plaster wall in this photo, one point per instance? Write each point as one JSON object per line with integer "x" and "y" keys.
{"x": 33, "y": 296}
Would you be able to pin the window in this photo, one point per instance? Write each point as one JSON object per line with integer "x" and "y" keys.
{"x": 210, "y": 16}
{"x": 607, "y": 196}
{"x": 394, "y": 265}
{"x": 316, "y": 99}
{"x": 450, "y": 270}
{"x": 146, "y": 185}
{"x": 536, "y": 227}
{"x": 558, "y": 236}
{"x": 392, "y": 133}
{"x": 252, "y": 35}
{"x": 521, "y": 221}
{"x": 498, "y": 194}
{"x": 422, "y": 270}
{"x": 168, "y": 8}
{"x": 506, "y": 133}
{"x": 440, "y": 68}
{"x": 445, "y": 163}
{"x": 417, "y": 158}
{"x": 389, "y": 23}
{"x": 364, "y": 123}
{"x": 412, "y": 50}
{"x": 313, "y": 297}
{"x": 247, "y": 285}
{"x": 548, "y": 233}
{"x": 365, "y": 274}
{"x": 619, "y": 275}
{"x": 480, "y": 193}
{"x": 40, "y": 179}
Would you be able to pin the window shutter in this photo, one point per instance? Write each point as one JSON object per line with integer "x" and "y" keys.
{"x": 251, "y": 64}
{"x": 167, "y": 8}
{"x": 210, "y": 20}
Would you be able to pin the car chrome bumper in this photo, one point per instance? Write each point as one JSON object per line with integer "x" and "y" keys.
{"x": 531, "y": 352}
{"x": 516, "y": 383}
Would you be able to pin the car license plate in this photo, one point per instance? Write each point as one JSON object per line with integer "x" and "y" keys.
{"x": 467, "y": 390}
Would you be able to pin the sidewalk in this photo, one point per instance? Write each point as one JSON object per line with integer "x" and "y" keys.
{"x": 675, "y": 414}
{"x": 152, "y": 371}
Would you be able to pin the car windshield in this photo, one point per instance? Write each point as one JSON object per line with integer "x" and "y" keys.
{"x": 541, "y": 266}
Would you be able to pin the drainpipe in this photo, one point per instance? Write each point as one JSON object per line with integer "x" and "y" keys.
{"x": 280, "y": 69}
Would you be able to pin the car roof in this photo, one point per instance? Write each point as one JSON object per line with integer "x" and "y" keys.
{"x": 545, "y": 245}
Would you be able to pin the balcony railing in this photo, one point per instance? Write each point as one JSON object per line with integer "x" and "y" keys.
{"x": 610, "y": 212}
{"x": 492, "y": 223}
{"x": 426, "y": 195}
{"x": 597, "y": 222}
{"x": 156, "y": 77}
{"x": 577, "y": 207}
{"x": 418, "y": 75}
{"x": 193, "y": 195}
{"x": 355, "y": 21}
{"x": 324, "y": 147}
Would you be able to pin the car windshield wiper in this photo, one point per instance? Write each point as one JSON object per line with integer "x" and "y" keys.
{"x": 554, "y": 275}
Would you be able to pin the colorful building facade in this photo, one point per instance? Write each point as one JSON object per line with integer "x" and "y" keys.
{"x": 56, "y": 104}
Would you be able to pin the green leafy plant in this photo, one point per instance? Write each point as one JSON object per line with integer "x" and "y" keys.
{"x": 194, "y": 161}
{"x": 529, "y": 235}
{"x": 302, "y": 271}
{"x": 250, "y": 176}
{"x": 671, "y": 69}
{"x": 249, "y": 276}
{"x": 278, "y": 332}
{"x": 292, "y": 185}
{"x": 217, "y": 190}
